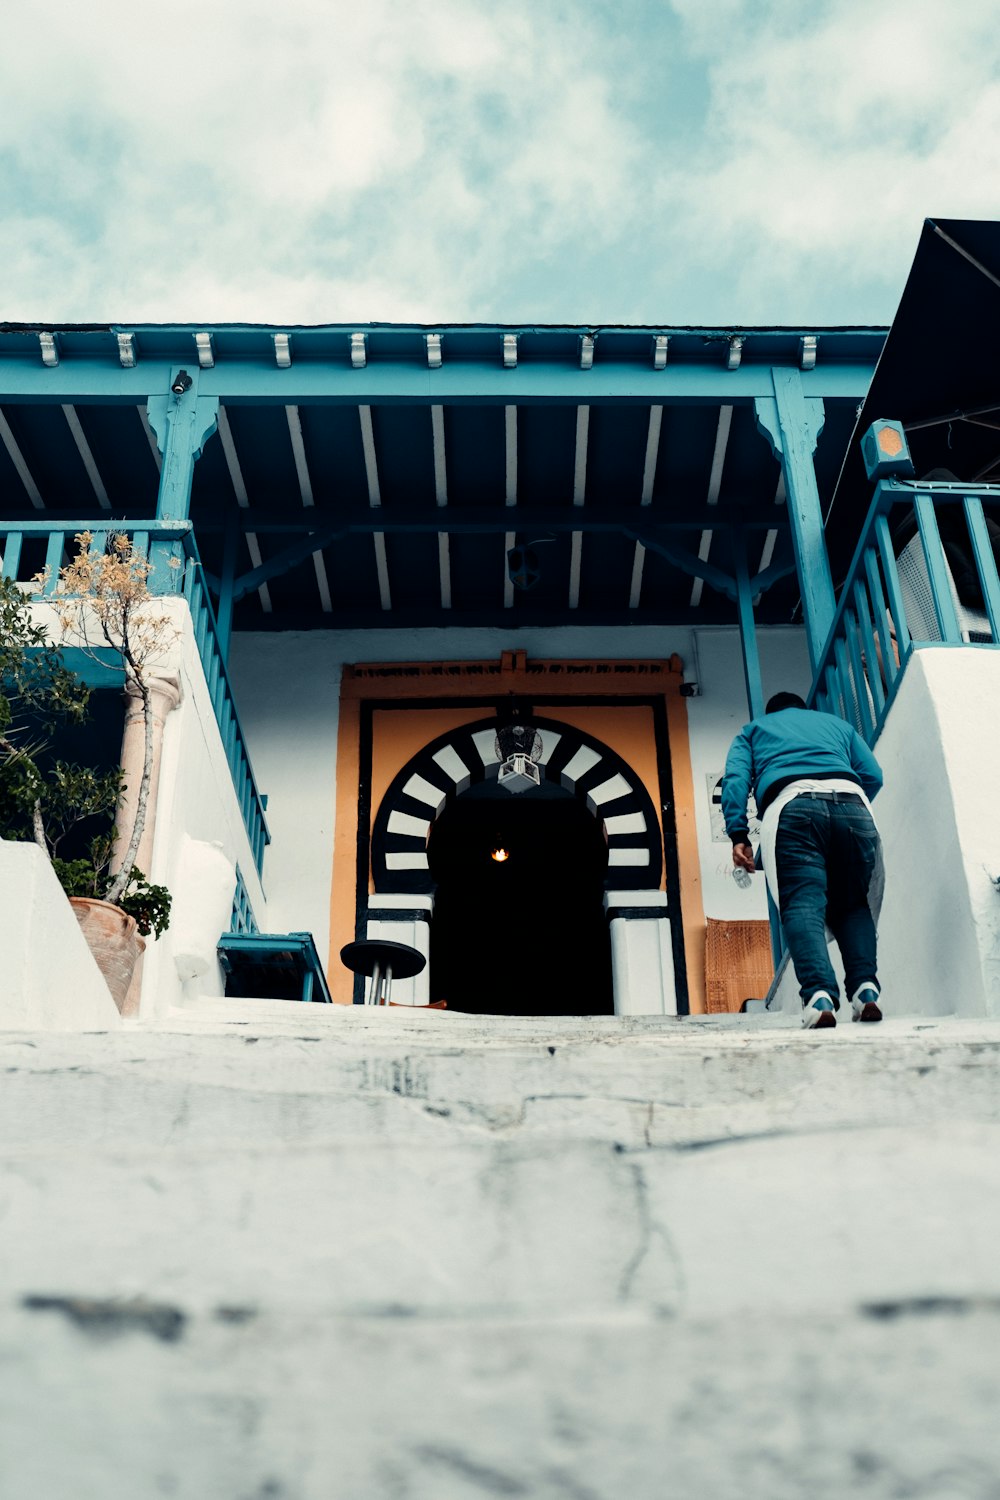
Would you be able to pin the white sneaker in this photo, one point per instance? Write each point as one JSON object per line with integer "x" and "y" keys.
{"x": 864, "y": 1003}
{"x": 819, "y": 1010}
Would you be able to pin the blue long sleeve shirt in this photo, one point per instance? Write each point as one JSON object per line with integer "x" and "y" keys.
{"x": 791, "y": 745}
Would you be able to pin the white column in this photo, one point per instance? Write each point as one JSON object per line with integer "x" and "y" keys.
{"x": 405, "y": 919}
{"x": 642, "y": 958}
{"x": 165, "y": 694}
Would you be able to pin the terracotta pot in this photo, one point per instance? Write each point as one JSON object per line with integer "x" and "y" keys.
{"x": 113, "y": 938}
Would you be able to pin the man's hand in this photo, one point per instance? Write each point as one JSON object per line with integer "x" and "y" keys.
{"x": 743, "y": 857}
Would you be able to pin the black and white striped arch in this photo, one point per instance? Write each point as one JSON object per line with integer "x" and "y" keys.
{"x": 448, "y": 766}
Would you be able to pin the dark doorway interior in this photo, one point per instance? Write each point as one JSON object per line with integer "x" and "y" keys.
{"x": 526, "y": 935}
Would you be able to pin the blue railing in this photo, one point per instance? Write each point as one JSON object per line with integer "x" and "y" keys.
{"x": 924, "y": 573}
{"x": 243, "y": 920}
{"x": 29, "y": 547}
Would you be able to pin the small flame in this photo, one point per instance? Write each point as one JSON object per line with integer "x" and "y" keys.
{"x": 499, "y": 855}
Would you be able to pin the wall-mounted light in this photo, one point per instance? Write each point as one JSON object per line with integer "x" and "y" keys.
{"x": 182, "y": 382}
{"x": 885, "y": 451}
{"x": 500, "y": 854}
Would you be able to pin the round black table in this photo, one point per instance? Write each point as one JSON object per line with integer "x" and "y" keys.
{"x": 380, "y": 960}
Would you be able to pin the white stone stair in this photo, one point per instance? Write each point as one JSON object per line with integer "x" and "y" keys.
{"x": 272, "y": 1250}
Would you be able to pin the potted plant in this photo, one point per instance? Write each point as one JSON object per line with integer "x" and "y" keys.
{"x": 103, "y": 602}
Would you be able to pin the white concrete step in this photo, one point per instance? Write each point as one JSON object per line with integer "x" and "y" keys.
{"x": 297, "y": 1252}
{"x": 314, "y": 1074}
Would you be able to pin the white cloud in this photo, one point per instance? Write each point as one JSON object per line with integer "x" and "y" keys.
{"x": 834, "y": 131}
{"x": 332, "y": 160}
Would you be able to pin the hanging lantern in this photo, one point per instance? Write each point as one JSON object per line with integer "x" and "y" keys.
{"x": 518, "y": 748}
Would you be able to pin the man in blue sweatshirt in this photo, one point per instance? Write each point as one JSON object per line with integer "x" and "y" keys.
{"x": 812, "y": 776}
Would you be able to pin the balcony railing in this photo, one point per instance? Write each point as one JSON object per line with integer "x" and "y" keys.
{"x": 28, "y": 547}
{"x": 924, "y": 573}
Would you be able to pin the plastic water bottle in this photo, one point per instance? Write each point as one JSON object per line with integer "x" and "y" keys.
{"x": 742, "y": 877}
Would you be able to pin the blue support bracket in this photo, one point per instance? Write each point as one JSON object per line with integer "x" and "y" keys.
{"x": 230, "y": 551}
{"x": 688, "y": 562}
{"x": 792, "y": 423}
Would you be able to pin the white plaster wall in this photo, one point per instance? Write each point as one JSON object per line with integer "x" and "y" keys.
{"x": 48, "y": 979}
{"x": 287, "y": 686}
{"x": 939, "y": 817}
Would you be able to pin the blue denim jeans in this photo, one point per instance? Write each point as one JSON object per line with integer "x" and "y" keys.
{"x": 825, "y": 854}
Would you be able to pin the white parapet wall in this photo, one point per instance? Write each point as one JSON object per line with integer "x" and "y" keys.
{"x": 50, "y": 980}
{"x": 200, "y": 838}
{"x": 939, "y": 817}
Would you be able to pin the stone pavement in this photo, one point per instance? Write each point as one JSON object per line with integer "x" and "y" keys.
{"x": 271, "y": 1252}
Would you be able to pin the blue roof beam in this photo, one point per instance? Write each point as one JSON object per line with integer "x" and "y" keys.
{"x": 389, "y": 381}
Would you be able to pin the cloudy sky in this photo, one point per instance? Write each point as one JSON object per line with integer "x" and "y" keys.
{"x": 586, "y": 161}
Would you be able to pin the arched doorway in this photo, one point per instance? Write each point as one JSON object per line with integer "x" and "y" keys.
{"x": 519, "y": 926}
{"x": 592, "y": 901}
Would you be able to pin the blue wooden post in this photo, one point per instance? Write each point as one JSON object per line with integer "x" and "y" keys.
{"x": 183, "y": 423}
{"x": 755, "y": 696}
{"x": 748, "y": 630}
{"x": 792, "y": 423}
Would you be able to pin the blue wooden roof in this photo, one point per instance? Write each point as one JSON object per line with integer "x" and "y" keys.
{"x": 415, "y": 456}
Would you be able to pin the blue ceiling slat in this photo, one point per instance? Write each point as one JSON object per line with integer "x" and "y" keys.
{"x": 605, "y": 572}
{"x": 123, "y": 457}
{"x": 404, "y": 451}
{"x": 52, "y": 457}
{"x": 475, "y": 441}
{"x": 477, "y": 573}
{"x": 414, "y": 574}
{"x": 546, "y": 446}
{"x": 352, "y": 575}
{"x": 332, "y": 439}
{"x": 684, "y": 461}
{"x": 264, "y": 448}
{"x": 616, "y": 453}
